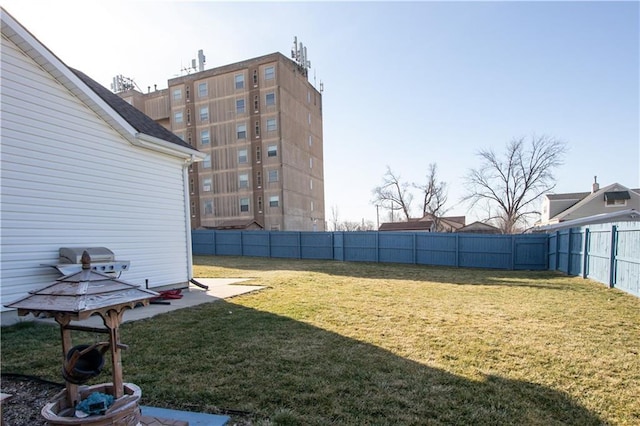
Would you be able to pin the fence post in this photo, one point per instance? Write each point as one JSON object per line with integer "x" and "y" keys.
{"x": 569, "y": 251}
{"x": 612, "y": 256}
{"x": 557, "y": 265}
{"x": 415, "y": 249}
{"x": 585, "y": 254}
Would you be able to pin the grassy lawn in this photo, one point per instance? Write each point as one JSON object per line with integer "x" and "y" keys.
{"x": 367, "y": 344}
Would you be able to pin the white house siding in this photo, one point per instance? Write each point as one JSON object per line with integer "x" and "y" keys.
{"x": 69, "y": 179}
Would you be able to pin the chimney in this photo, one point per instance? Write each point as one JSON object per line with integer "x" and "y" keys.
{"x": 595, "y": 187}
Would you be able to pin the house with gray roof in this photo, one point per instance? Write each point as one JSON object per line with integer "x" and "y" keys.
{"x": 613, "y": 200}
{"x": 83, "y": 168}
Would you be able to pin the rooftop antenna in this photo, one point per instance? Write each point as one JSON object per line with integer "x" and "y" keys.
{"x": 299, "y": 55}
{"x": 193, "y": 67}
{"x": 201, "y": 60}
{"x": 121, "y": 83}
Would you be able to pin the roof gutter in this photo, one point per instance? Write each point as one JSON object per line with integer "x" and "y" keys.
{"x": 151, "y": 142}
{"x": 629, "y": 214}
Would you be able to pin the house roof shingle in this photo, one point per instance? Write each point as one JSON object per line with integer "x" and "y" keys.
{"x": 568, "y": 196}
{"x": 136, "y": 118}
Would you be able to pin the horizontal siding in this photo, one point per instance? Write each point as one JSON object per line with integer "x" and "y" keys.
{"x": 69, "y": 179}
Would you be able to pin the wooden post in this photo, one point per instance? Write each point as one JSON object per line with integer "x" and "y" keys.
{"x": 585, "y": 254}
{"x": 612, "y": 256}
{"x": 73, "y": 396}
{"x": 111, "y": 320}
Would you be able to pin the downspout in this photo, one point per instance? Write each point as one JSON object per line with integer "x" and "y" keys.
{"x": 187, "y": 213}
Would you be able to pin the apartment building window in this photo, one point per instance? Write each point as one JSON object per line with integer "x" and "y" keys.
{"x": 255, "y": 77}
{"x": 243, "y": 180}
{"x": 269, "y": 73}
{"x": 274, "y": 201}
{"x": 177, "y": 117}
{"x": 242, "y": 156}
{"x": 310, "y": 140}
{"x": 257, "y": 129}
{"x": 180, "y": 135}
{"x": 188, "y": 116}
{"x": 271, "y": 125}
{"x": 239, "y": 79}
{"x": 204, "y": 114}
{"x": 312, "y": 206}
{"x": 205, "y": 138}
{"x": 241, "y": 131}
{"x": 203, "y": 90}
{"x": 208, "y": 207}
{"x": 311, "y": 184}
{"x": 239, "y": 106}
{"x": 270, "y": 98}
{"x": 309, "y": 119}
{"x": 308, "y": 96}
{"x": 177, "y": 94}
{"x": 272, "y": 151}
{"x": 193, "y": 209}
{"x": 259, "y": 179}
{"x": 206, "y": 185}
{"x": 258, "y": 154}
{"x": 259, "y": 204}
{"x": 256, "y": 104}
{"x": 206, "y": 163}
{"x": 189, "y": 138}
{"x": 191, "y": 185}
{"x": 311, "y": 163}
{"x": 244, "y": 204}
{"x": 273, "y": 175}
{"x": 186, "y": 92}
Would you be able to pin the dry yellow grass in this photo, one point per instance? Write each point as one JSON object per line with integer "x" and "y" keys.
{"x": 358, "y": 343}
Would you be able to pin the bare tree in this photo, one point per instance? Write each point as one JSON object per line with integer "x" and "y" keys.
{"x": 434, "y": 195}
{"x": 393, "y": 194}
{"x": 513, "y": 182}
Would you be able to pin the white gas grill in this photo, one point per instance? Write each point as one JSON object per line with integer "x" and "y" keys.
{"x": 102, "y": 260}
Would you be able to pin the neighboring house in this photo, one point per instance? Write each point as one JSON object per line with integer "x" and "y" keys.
{"x": 83, "y": 168}
{"x": 557, "y": 208}
{"x": 426, "y": 224}
{"x": 479, "y": 228}
{"x": 239, "y": 225}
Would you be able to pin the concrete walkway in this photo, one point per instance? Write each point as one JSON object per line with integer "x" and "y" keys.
{"x": 219, "y": 288}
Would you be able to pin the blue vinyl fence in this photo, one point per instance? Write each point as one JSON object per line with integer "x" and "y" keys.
{"x": 513, "y": 252}
{"x": 608, "y": 253}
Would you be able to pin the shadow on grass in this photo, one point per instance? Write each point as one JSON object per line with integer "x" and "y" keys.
{"x": 391, "y": 271}
{"x": 221, "y": 356}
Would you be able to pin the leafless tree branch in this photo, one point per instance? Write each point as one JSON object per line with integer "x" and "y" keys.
{"x": 517, "y": 179}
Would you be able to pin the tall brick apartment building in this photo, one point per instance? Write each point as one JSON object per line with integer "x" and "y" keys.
{"x": 260, "y": 123}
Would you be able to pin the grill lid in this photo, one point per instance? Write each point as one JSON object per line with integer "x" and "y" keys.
{"x": 74, "y": 254}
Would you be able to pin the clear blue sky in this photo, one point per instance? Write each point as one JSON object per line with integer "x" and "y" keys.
{"x": 405, "y": 84}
